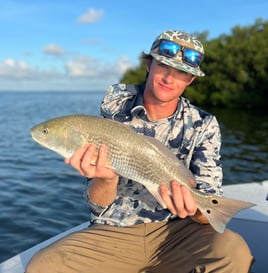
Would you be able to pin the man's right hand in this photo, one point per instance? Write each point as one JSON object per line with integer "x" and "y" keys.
{"x": 92, "y": 163}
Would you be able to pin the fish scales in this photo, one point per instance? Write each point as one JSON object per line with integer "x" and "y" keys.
{"x": 136, "y": 157}
{"x": 130, "y": 154}
{"x": 126, "y": 150}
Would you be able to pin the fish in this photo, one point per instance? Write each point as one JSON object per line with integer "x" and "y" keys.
{"x": 134, "y": 156}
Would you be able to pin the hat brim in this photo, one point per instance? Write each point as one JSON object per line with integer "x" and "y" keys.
{"x": 178, "y": 65}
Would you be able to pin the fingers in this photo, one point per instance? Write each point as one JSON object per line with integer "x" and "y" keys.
{"x": 180, "y": 202}
{"x": 91, "y": 162}
{"x": 102, "y": 159}
{"x": 188, "y": 206}
{"x": 167, "y": 198}
{"x": 89, "y": 159}
{"x": 76, "y": 159}
{"x": 94, "y": 163}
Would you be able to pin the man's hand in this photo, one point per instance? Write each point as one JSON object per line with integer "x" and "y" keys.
{"x": 180, "y": 202}
{"x": 92, "y": 163}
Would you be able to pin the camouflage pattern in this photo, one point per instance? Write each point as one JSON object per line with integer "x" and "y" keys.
{"x": 192, "y": 134}
{"x": 183, "y": 39}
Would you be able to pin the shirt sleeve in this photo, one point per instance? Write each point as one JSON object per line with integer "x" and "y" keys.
{"x": 96, "y": 210}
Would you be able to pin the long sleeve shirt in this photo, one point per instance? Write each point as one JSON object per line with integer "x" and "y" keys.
{"x": 192, "y": 134}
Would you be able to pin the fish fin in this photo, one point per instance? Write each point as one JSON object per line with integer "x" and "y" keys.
{"x": 220, "y": 210}
{"x": 154, "y": 190}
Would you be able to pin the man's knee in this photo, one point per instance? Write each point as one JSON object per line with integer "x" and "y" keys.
{"x": 33, "y": 264}
{"x": 42, "y": 261}
{"x": 231, "y": 248}
{"x": 231, "y": 244}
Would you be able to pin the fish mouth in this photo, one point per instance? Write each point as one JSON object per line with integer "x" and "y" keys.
{"x": 37, "y": 136}
{"x": 34, "y": 134}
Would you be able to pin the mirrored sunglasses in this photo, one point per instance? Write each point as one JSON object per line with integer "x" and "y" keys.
{"x": 189, "y": 56}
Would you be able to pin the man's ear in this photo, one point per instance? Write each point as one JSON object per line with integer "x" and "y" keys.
{"x": 192, "y": 79}
{"x": 148, "y": 65}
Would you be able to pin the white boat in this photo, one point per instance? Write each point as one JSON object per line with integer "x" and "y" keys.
{"x": 252, "y": 224}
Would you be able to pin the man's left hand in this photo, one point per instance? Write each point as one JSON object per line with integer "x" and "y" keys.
{"x": 180, "y": 202}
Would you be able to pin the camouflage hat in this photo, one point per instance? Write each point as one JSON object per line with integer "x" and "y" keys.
{"x": 183, "y": 39}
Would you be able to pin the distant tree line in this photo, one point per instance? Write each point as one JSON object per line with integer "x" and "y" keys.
{"x": 236, "y": 68}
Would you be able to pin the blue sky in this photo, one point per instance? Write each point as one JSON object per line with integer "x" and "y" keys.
{"x": 88, "y": 45}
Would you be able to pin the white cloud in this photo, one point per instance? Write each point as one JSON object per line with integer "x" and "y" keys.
{"x": 12, "y": 69}
{"x": 84, "y": 66}
{"x": 123, "y": 64}
{"x": 53, "y": 49}
{"x": 91, "y": 16}
{"x": 18, "y": 71}
{"x": 81, "y": 73}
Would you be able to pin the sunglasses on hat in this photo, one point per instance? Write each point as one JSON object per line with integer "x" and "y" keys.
{"x": 189, "y": 56}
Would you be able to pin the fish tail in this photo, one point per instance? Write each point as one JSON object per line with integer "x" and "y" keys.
{"x": 219, "y": 210}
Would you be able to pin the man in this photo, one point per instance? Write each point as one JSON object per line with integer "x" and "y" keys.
{"x": 130, "y": 232}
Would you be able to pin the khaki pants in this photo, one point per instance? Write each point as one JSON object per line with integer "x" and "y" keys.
{"x": 180, "y": 246}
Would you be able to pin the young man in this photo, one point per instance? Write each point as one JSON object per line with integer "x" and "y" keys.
{"x": 130, "y": 232}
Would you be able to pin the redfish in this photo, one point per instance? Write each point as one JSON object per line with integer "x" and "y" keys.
{"x": 134, "y": 156}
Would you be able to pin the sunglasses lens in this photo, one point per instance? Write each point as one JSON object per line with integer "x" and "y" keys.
{"x": 168, "y": 48}
{"x": 189, "y": 56}
{"x": 192, "y": 57}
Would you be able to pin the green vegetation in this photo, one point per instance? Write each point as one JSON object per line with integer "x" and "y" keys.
{"x": 236, "y": 68}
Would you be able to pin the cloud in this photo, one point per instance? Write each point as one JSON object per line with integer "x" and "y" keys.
{"x": 53, "y": 49}
{"x": 123, "y": 64}
{"x": 79, "y": 67}
{"x": 12, "y": 69}
{"x": 82, "y": 67}
{"x": 91, "y": 16}
{"x": 80, "y": 73}
{"x": 85, "y": 66}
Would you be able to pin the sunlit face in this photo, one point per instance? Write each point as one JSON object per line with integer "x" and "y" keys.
{"x": 164, "y": 83}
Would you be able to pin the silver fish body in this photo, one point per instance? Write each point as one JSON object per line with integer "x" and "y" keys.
{"x": 136, "y": 157}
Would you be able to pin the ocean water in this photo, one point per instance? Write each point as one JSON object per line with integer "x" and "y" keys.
{"x": 41, "y": 196}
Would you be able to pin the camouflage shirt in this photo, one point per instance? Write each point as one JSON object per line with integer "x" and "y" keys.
{"x": 191, "y": 133}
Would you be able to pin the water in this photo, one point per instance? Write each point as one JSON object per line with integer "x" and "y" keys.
{"x": 41, "y": 196}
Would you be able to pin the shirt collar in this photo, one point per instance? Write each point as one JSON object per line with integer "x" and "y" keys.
{"x": 138, "y": 108}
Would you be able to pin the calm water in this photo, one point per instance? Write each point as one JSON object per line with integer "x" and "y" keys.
{"x": 40, "y": 196}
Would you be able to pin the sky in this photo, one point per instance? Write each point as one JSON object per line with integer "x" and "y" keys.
{"x": 68, "y": 45}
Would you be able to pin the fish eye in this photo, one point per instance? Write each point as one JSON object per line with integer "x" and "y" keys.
{"x": 45, "y": 131}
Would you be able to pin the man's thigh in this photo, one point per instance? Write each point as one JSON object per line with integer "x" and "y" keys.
{"x": 96, "y": 249}
{"x": 190, "y": 246}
